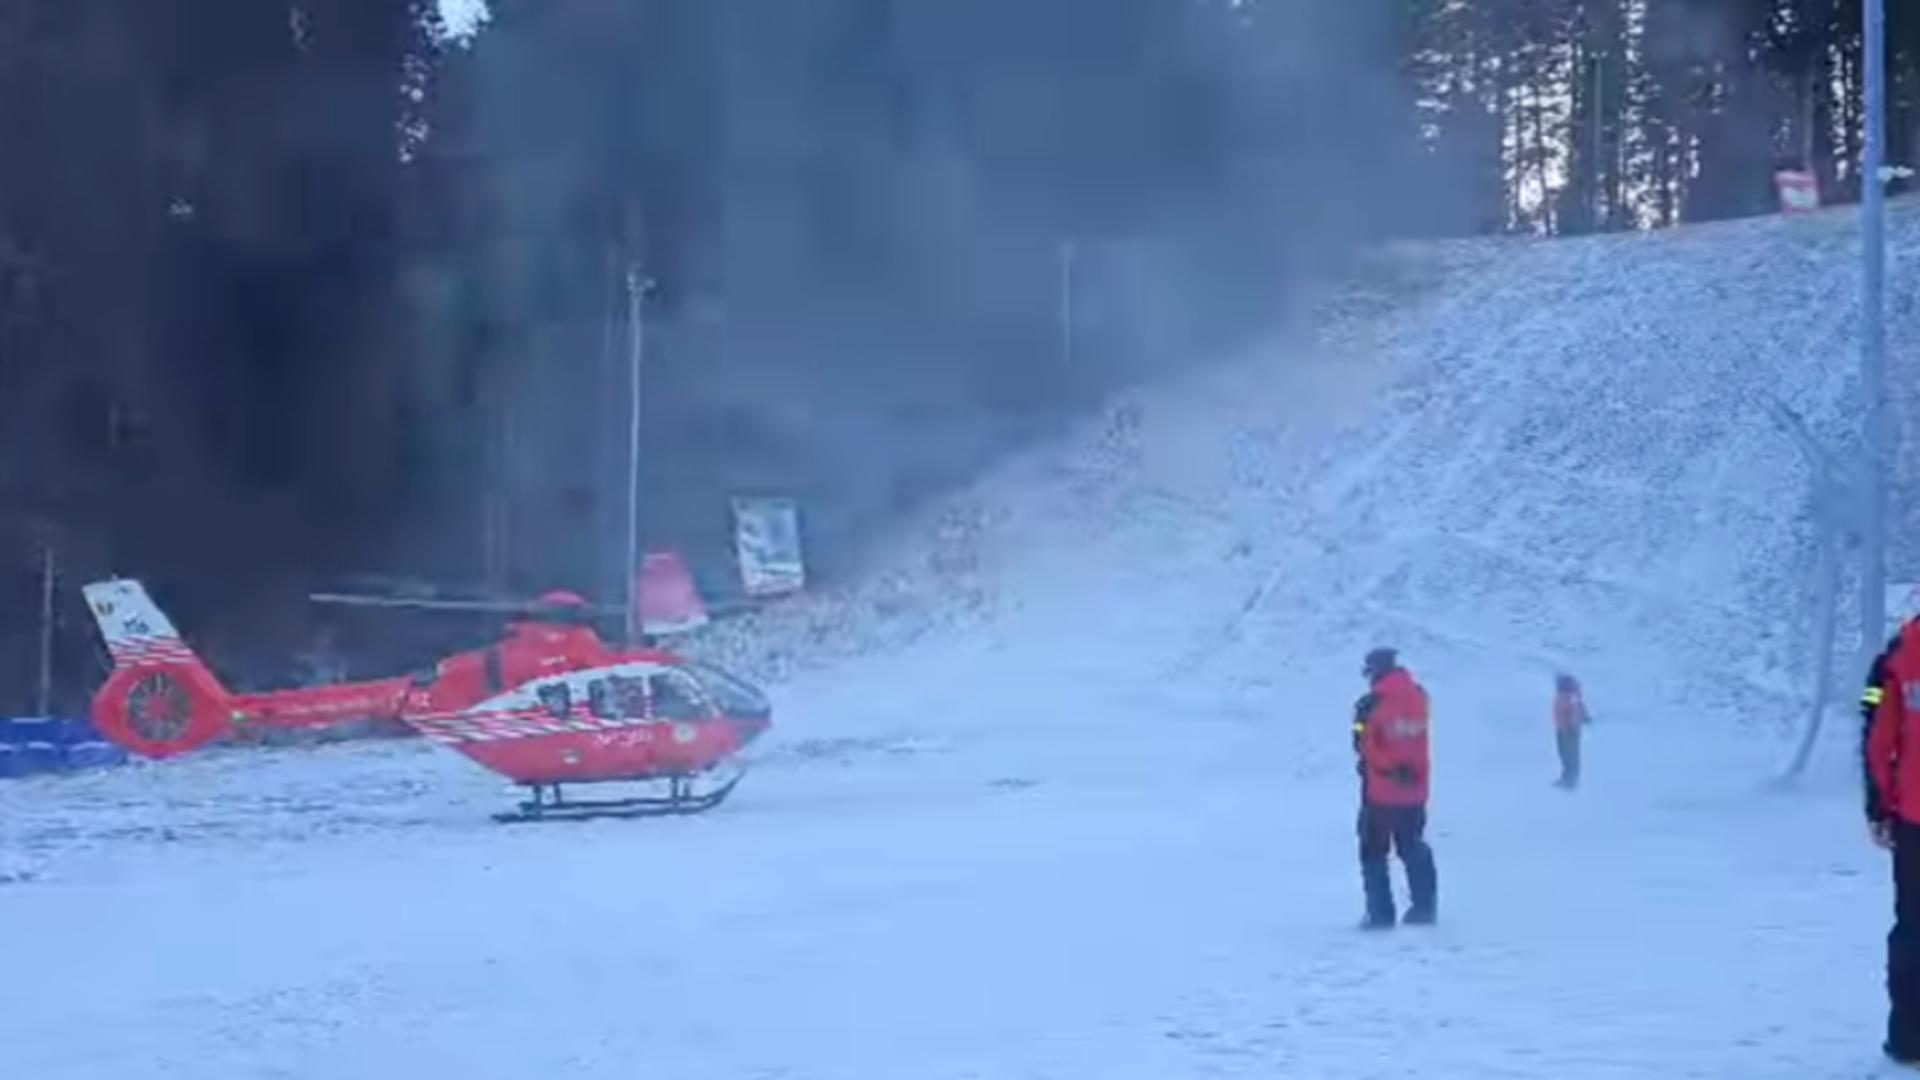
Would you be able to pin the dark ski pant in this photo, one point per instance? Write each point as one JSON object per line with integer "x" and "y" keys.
{"x": 1903, "y": 944}
{"x": 1398, "y": 829}
{"x": 1569, "y": 743}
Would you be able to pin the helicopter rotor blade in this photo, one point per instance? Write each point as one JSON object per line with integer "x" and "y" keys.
{"x": 491, "y": 606}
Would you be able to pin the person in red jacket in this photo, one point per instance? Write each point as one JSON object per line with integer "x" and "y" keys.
{"x": 1890, "y": 711}
{"x": 1390, "y": 741}
{"x": 1569, "y": 717}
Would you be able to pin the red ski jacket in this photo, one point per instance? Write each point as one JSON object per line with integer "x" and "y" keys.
{"x": 1390, "y": 731}
{"x": 1891, "y": 705}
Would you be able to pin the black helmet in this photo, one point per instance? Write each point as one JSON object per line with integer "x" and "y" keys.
{"x": 1379, "y": 661}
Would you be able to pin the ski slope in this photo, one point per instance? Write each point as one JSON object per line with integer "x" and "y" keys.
{"x": 1065, "y": 789}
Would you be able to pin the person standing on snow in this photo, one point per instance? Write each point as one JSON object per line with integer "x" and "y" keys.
{"x": 1569, "y": 717}
{"x": 1890, "y": 747}
{"x": 1390, "y": 741}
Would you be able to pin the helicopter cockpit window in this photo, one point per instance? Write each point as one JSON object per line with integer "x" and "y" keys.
{"x": 676, "y": 698}
{"x": 557, "y": 699}
{"x": 734, "y": 696}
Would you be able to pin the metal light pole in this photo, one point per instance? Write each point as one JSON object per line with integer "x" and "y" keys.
{"x": 1069, "y": 255}
{"x": 47, "y": 571}
{"x": 1873, "y": 576}
{"x": 636, "y": 357}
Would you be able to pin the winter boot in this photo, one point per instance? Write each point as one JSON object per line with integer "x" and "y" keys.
{"x": 1379, "y": 892}
{"x": 1423, "y": 883}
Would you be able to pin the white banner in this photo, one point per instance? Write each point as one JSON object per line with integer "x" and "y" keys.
{"x": 767, "y": 532}
{"x": 1799, "y": 191}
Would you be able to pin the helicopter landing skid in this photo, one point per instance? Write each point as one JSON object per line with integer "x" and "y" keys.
{"x": 681, "y": 800}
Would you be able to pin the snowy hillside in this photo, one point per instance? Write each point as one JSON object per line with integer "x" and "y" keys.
{"x": 1064, "y": 789}
{"x": 1580, "y": 465}
{"x": 1558, "y": 452}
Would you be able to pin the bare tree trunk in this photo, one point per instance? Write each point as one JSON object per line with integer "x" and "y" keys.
{"x": 1808, "y": 118}
{"x": 1850, "y": 123}
{"x": 1542, "y": 156}
{"x": 1580, "y": 212}
{"x": 1514, "y": 170}
{"x": 1670, "y": 159}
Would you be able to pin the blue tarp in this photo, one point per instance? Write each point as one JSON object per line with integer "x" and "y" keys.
{"x": 41, "y": 744}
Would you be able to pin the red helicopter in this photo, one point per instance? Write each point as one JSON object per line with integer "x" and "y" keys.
{"x": 549, "y": 705}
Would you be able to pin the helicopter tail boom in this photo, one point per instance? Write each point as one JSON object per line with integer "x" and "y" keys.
{"x": 163, "y": 700}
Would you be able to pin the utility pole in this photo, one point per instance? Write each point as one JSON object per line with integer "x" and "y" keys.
{"x": 1873, "y": 575}
{"x": 47, "y": 570}
{"x": 1069, "y": 254}
{"x": 636, "y": 358}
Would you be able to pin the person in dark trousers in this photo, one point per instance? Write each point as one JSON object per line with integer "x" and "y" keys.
{"x": 1390, "y": 743}
{"x": 1569, "y": 717}
{"x": 1890, "y": 747}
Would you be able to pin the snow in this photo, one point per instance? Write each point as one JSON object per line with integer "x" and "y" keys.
{"x": 1064, "y": 789}
{"x": 464, "y": 18}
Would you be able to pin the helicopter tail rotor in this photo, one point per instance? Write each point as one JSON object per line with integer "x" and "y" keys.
{"x": 161, "y": 699}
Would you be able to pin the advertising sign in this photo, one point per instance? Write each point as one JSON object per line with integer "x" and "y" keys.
{"x": 767, "y": 532}
{"x": 1799, "y": 191}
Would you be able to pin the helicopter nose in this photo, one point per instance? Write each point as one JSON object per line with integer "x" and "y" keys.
{"x": 752, "y": 727}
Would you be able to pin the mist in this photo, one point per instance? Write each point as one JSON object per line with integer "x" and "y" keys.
{"x": 888, "y": 241}
{"x": 344, "y": 294}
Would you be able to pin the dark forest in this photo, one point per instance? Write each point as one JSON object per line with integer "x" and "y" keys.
{"x": 296, "y": 292}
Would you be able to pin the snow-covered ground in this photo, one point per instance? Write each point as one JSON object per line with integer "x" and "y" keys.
{"x": 1069, "y": 793}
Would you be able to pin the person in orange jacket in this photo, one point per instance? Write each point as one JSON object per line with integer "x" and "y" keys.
{"x": 1390, "y": 742}
{"x": 1890, "y": 748}
{"x": 1569, "y": 717}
